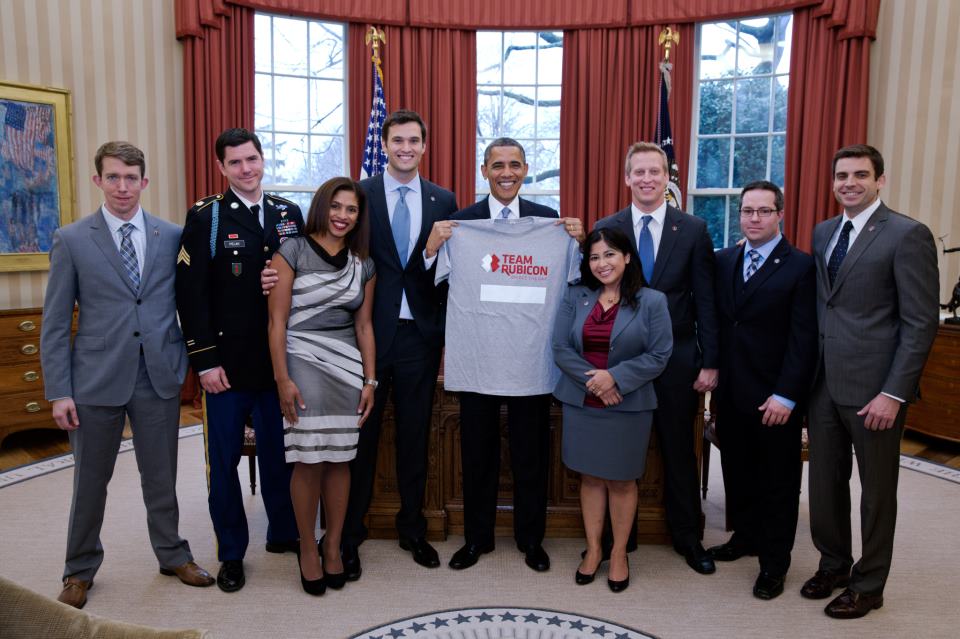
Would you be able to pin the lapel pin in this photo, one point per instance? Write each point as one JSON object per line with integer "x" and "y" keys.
{"x": 234, "y": 205}
{"x": 269, "y": 202}
{"x": 433, "y": 199}
{"x": 198, "y": 203}
{"x": 674, "y": 228}
{"x": 776, "y": 261}
{"x": 156, "y": 233}
{"x": 870, "y": 228}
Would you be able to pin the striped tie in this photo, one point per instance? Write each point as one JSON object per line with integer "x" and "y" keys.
{"x": 128, "y": 255}
{"x": 754, "y": 264}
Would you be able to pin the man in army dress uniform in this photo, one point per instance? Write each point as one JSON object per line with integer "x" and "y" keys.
{"x": 225, "y": 242}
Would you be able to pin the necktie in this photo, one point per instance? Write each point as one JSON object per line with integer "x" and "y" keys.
{"x": 839, "y": 251}
{"x": 128, "y": 255}
{"x": 505, "y": 213}
{"x": 401, "y": 225}
{"x": 255, "y": 209}
{"x": 645, "y": 248}
{"x": 754, "y": 264}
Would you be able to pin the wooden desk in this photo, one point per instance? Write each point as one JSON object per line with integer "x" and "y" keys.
{"x": 937, "y": 412}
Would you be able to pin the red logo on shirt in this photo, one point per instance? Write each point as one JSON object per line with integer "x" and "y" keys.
{"x": 514, "y": 266}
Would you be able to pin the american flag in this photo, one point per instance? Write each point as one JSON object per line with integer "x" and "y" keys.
{"x": 374, "y": 157}
{"x": 665, "y": 137}
{"x": 26, "y": 130}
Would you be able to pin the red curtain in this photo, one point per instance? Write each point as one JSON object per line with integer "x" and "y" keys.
{"x": 609, "y": 100}
{"x": 217, "y": 85}
{"x": 432, "y": 72}
{"x": 827, "y": 109}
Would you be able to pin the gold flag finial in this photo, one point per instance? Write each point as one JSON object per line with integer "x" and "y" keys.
{"x": 373, "y": 38}
{"x": 668, "y": 38}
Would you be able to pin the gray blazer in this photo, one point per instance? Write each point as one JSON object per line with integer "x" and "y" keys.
{"x": 640, "y": 345}
{"x": 878, "y": 321}
{"x": 100, "y": 367}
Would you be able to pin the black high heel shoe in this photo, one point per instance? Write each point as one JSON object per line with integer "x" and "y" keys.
{"x": 620, "y": 586}
{"x": 335, "y": 580}
{"x": 582, "y": 579}
{"x": 315, "y": 587}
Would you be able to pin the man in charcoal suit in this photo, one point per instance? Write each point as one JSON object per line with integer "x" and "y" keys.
{"x": 677, "y": 259}
{"x": 877, "y": 310}
{"x": 127, "y": 360}
{"x": 767, "y": 316}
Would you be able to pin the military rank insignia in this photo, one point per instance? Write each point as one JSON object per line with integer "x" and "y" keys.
{"x": 183, "y": 257}
{"x": 236, "y": 268}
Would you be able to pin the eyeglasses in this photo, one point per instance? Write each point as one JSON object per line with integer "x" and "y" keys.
{"x": 764, "y": 212}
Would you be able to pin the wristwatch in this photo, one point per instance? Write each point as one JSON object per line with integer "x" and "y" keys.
{"x": 371, "y": 382}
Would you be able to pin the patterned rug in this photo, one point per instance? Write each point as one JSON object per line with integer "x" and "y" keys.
{"x": 488, "y": 622}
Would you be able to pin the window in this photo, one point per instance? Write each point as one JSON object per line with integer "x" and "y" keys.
{"x": 299, "y": 96}
{"x": 739, "y": 130}
{"x": 518, "y": 96}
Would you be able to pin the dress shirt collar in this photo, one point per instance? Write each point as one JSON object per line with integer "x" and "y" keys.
{"x": 764, "y": 249}
{"x": 861, "y": 220}
{"x": 496, "y": 207}
{"x": 658, "y": 215}
{"x": 114, "y": 223}
{"x": 247, "y": 202}
{"x": 391, "y": 183}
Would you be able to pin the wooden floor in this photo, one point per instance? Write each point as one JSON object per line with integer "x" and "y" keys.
{"x": 33, "y": 445}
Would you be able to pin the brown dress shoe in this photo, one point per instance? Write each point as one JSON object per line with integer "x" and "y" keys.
{"x": 852, "y": 605}
{"x": 191, "y": 574}
{"x": 74, "y": 592}
{"x": 822, "y": 584}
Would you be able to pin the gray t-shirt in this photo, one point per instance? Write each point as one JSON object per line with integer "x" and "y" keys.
{"x": 507, "y": 278}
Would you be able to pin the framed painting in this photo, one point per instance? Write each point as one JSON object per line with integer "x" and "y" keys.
{"x": 36, "y": 179}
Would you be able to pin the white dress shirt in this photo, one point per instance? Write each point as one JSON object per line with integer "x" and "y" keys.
{"x": 414, "y": 200}
{"x": 250, "y": 204}
{"x": 496, "y": 208}
{"x": 655, "y": 226}
{"x": 858, "y": 222}
{"x": 138, "y": 236}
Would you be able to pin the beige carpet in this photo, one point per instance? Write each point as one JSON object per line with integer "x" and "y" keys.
{"x": 665, "y": 598}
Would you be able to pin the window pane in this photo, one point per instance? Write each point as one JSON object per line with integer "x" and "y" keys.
{"x": 780, "y": 84}
{"x": 326, "y": 50}
{"x": 713, "y": 162}
{"x": 266, "y": 141}
{"x": 784, "y": 41}
{"x": 749, "y": 160}
{"x": 550, "y": 62}
{"x": 291, "y": 160}
{"x": 716, "y": 106}
{"x": 326, "y": 106}
{"x": 482, "y": 184}
{"x": 711, "y": 209}
{"x": 518, "y": 112}
{"x": 753, "y": 105}
{"x": 778, "y": 159}
{"x": 261, "y": 42}
{"x": 717, "y": 50}
{"x": 733, "y": 220}
{"x": 302, "y": 199}
{"x": 263, "y": 101}
{"x": 289, "y": 46}
{"x": 755, "y": 55}
{"x": 546, "y": 171}
{"x": 553, "y": 201}
{"x": 326, "y": 158}
{"x": 548, "y": 112}
{"x": 489, "y": 62}
{"x": 291, "y": 104}
{"x": 520, "y": 57}
{"x": 488, "y": 114}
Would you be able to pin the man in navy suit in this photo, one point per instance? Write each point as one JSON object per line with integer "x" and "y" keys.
{"x": 408, "y": 314}
{"x": 766, "y": 309}
{"x": 528, "y": 418}
{"x": 677, "y": 258}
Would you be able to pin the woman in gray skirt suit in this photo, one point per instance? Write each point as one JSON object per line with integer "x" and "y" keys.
{"x": 611, "y": 339}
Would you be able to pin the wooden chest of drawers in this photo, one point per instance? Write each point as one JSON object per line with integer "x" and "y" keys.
{"x": 937, "y": 412}
{"x": 22, "y": 405}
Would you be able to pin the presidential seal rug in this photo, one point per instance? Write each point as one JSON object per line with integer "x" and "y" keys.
{"x": 489, "y": 622}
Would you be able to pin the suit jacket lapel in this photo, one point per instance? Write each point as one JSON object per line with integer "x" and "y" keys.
{"x": 672, "y": 225}
{"x": 232, "y": 207}
{"x": 727, "y": 276}
{"x": 585, "y": 304}
{"x": 827, "y": 230}
{"x": 864, "y": 239}
{"x": 100, "y": 234}
{"x": 380, "y": 216}
{"x": 770, "y": 266}
{"x": 428, "y": 203}
{"x": 625, "y": 315}
{"x": 152, "y": 243}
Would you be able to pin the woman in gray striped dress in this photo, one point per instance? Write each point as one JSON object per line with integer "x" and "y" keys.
{"x": 322, "y": 348}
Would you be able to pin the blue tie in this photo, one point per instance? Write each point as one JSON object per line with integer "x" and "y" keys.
{"x": 839, "y": 251}
{"x": 401, "y": 225}
{"x": 645, "y": 248}
{"x": 754, "y": 264}
{"x": 128, "y": 255}
{"x": 505, "y": 213}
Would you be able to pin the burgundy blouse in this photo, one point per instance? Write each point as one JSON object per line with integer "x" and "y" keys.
{"x": 596, "y": 342}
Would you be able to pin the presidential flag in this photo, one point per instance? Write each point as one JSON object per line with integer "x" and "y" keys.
{"x": 374, "y": 157}
{"x": 664, "y": 136}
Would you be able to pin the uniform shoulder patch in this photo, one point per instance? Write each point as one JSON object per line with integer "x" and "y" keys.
{"x": 274, "y": 196}
{"x": 183, "y": 257}
{"x": 204, "y": 202}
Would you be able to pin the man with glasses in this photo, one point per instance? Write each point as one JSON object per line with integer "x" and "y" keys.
{"x": 767, "y": 318}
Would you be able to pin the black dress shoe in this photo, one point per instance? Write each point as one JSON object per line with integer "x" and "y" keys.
{"x": 620, "y": 586}
{"x": 350, "y": 555}
{"x": 536, "y": 557}
{"x": 853, "y": 605}
{"x": 423, "y": 553}
{"x": 768, "y": 585}
{"x": 730, "y": 551}
{"x": 582, "y": 579}
{"x": 823, "y": 583}
{"x": 468, "y": 555}
{"x": 698, "y": 559}
{"x": 315, "y": 587}
{"x": 231, "y": 578}
{"x": 284, "y": 546}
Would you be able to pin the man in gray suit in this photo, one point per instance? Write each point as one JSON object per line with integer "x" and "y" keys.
{"x": 127, "y": 360}
{"x": 877, "y": 309}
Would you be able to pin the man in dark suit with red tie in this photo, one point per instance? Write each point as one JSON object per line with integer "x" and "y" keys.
{"x": 766, "y": 311}
{"x": 677, "y": 259}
